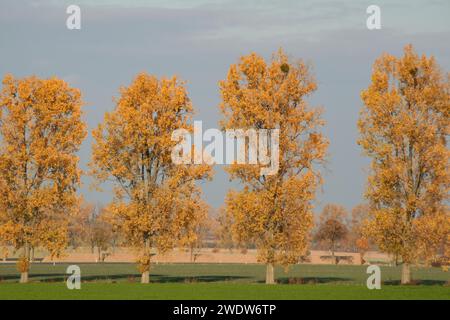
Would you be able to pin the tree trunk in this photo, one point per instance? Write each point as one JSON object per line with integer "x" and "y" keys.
{"x": 145, "y": 277}
{"x": 361, "y": 258}
{"x": 24, "y": 273}
{"x": 406, "y": 273}
{"x": 333, "y": 257}
{"x": 113, "y": 246}
{"x": 270, "y": 279}
{"x": 24, "y": 277}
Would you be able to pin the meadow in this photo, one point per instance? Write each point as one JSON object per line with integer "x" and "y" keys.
{"x": 220, "y": 281}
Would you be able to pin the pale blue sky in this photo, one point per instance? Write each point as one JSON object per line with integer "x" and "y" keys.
{"x": 198, "y": 40}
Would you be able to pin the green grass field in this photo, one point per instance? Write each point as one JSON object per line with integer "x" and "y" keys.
{"x": 220, "y": 281}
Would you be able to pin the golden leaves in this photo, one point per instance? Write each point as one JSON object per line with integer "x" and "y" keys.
{"x": 403, "y": 128}
{"x": 156, "y": 201}
{"x": 274, "y": 212}
{"x": 41, "y": 130}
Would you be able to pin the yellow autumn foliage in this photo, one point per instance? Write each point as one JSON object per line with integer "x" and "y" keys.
{"x": 404, "y": 127}
{"x": 274, "y": 212}
{"x": 41, "y": 131}
{"x": 155, "y": 200}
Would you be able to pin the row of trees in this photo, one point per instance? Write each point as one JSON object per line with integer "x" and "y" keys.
{"x": 404, "y": 125}
{"x": 336, "y": 229}
{"x": 96, "y": 227}
{"x": 92, "y": 226}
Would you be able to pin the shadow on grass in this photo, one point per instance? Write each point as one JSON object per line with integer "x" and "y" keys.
{"x": 416, "y": 282}
{"x": 60, "y": 277}
{"x": 210, "y": 278}
{"x": 155, "y": 278}
{"x": 310, "y": 280}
